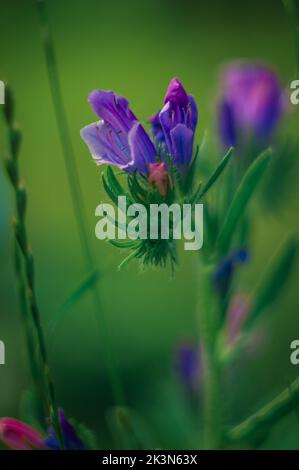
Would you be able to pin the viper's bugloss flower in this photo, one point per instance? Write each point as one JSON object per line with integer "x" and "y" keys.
{"x": 237, "y": 315}
{"x": 188, "y": 365}
{"x": 224, "y": 272}
{"x": 159, "y": 177}
{"x": 251, "y": 104}
{"x": 71, "y": 439}
{"x": 174, "y": 126}
{"x": 19, "y": 436}
{"x": 118, "y": 138}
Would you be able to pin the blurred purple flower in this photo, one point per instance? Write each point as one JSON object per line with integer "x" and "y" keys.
{"x": 237, "y": 315}
{"x": 251, "y": 104}
{"x": 188, "y": 365}
{"x": 118, "y": 138}
{"x": 19, "y": 436}
{"x": 238, "y": 312}
{"x": 71, "y": 439}
{"x": 174, "y": 126}
{"x": 224, "y": 272}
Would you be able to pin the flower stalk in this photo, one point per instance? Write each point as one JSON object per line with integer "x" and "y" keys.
{"x": 75, "y": 187}
{"x": 209, "y": 327}
{"x": 30, "y": 338}
{"x": 27, "y": 279}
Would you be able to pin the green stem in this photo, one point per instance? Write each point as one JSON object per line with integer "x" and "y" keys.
{"x": 209, "y": 326}
{"x": 75, "y": 186}
{"x": 259, "y": 424}
{"x": 25, "y": 313}
{"x": 29, "y": 334}
{"x": 27, "y": 281}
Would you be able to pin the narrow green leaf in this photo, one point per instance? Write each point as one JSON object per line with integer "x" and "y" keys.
{"x": 274, "y": 279}
{"x": 109, "y": 191}
{"x": 141, "y": 183}
{"x": 124, "y": 243}
{"x": 128, "y": 258}
{"x": 114, "y": 183}
{"x": 213, "y": 178}
{"x": 88, "y": 283}
{"x": 195, "y": 197}
{"x": 137, "y": 195}
{"x": 85, "y": 286}
{"x": 112, "y": 186}
{"x": 241, "y": 198}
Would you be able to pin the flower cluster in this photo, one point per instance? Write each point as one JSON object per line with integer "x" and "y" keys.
{"x": 161, "y": 169}
{"x": 158, "y": 169}
{"x": 120, "y": 139}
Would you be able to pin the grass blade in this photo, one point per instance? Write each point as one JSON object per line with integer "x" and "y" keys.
{"x": 274, "y": 279}
{"x": 242, "y": 197}
{"x": 214, "y": 177}
{"x": 80, "y": 291}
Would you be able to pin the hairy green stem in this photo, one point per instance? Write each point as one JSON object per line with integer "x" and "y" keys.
{"x": 27, "y": 281}
{"x": 259, "y": 424}
{"x": 209, "y": 327}
{"x": 25, "y": 314}
{"x": 29, "y": 335}
{"x": 75, "y": 188}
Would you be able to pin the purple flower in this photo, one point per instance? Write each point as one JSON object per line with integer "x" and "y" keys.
{"x": 188, "y": 365}
{"x": 118, "y": 138}
{"x": 223, "y": 275}
{"x": 251, "y": 104}
{"x": 174, "y": 126}
{"x": 71, "y": 439}
{"x": 156, "y": 129}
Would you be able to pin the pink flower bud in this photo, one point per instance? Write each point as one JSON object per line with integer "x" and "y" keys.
{"x": 159, "y": 177}
{"x": 19, "y": 436}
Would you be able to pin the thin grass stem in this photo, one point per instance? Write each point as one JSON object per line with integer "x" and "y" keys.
{"x": 75, "y": 189}
{"x": 27, "y": 278}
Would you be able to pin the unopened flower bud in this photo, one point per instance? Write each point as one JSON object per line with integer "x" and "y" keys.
{"x": 159, "y": 177}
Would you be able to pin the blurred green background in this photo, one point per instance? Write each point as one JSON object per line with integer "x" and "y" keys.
{"x": 135, "y": 48}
